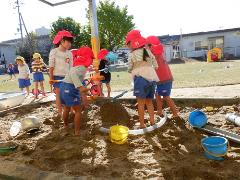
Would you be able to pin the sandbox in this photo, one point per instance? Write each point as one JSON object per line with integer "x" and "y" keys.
{"x": 170, "y": 152}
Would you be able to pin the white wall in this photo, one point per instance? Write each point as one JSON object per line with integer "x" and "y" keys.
{"x": 231, "y": 43}
{"x": 9, "y": 52}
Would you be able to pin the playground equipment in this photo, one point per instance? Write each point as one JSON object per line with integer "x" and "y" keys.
{"x": 214, "y": 55}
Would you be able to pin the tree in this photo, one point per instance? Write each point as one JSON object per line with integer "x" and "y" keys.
{"x": 81, "y": 34}
{"x": 28, "y": 47}
{"x": 114, "y": 23}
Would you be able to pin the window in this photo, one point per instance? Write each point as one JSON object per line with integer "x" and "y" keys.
{"x": 216, "y": 42}
{"x": 201, "y": 45}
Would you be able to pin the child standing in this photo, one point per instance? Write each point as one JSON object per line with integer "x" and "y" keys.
{"x": 142, "y": 66}
{"x": 72, "y": 91}
{"x": 37, "y": 68}
{"x": 10, "y": 71}
{"x": 104, "y": 64}
{"x": 163, "y": 71}
{"x": 24, "y": 73}
{"x": 60, "y": 61}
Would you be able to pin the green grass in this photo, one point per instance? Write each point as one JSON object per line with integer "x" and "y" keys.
{"x": 191, "y": 74}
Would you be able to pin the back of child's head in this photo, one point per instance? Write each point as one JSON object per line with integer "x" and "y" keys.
{"x": 84, "y": 57}
{"x": 155, "y": 45}
{"x": 102, "y": 54}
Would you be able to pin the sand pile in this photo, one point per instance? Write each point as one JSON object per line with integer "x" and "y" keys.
{"x": 171, "y": 152}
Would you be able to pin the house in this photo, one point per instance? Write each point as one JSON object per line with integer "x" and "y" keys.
{"x": 195, "y": 45}
{"x": 7, "y": 53}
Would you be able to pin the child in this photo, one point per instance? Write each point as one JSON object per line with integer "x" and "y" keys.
{"x": 72, "y": 91}
{"x": 37, "y": 68}
{"x": 24, "y": 72}
{"x": 10, "y": 71}
{"x": 141, "y": 65}
{"x": 104, "y": 64}
{"x": 164, "y": 85}
{"x": 60, "y": 61}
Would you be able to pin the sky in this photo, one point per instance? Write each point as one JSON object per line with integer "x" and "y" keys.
{"x": 152, "y": 17}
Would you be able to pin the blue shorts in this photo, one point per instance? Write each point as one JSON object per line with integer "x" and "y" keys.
{"x": 24, "y": 83}
{"x": 69, "y": 95}
{"x": 164, "y": 89}
{"x": 143, "y": 88}
{"x": 57, "y": 84}
{"x": 38, "y": 77}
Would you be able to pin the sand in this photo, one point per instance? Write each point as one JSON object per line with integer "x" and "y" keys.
{"x": 171, "y": 152}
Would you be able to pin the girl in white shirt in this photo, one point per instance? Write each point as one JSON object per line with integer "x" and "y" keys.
{"x": 24, "y": 72}
{"x": 60, "y": 61}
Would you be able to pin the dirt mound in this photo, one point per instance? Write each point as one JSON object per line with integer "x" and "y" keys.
{"x": 171, "y": 152}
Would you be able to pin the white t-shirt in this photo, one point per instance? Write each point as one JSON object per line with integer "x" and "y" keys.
{"x": 60, "y": 61}
{"x": 24, "y": 71}
{"x": 75, "y": 76}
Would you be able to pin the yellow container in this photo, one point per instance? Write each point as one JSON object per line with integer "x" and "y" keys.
{"x": 118, "y": 134}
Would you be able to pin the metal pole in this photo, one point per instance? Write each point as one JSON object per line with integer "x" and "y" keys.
{"x": 94, "y": 30}
{"x": 19, "y": 17}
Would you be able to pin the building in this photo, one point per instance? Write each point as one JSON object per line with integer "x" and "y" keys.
{"x": 7, "y": 53}
{"x": 195, "y": 45}
{"x": 43, "y": 46}
{"x": 42, "y": 31}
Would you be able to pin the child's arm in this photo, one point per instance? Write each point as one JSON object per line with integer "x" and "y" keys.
{"x": 152, "y": 59}
{"x": 27, "y": 72}
{"x": 130, "y": 63}
{"x": 51, "y": 64}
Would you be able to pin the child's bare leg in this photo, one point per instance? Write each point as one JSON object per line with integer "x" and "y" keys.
{"x": 66, "y": 111}
{"x": 108, "y": 89}
{"x": 101, "y": 89}
{"x": 58, "y": 101}
{"x": 141, "y": 107}
{"x": 77, "y": 119}
{"x": 42, "y": 87}
{"x": 28, "y": 91}
{"x": 159, "y": 104}
{"x": 150, "y": 109}
{"x": 172, "y": 106}
{"x": 36, "y": 89}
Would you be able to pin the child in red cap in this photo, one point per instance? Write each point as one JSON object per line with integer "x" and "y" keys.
{"x": 72, "y": 91}
{"x": 104, "y": 64}
{"x": 142, "y": 64}
{"x": 60, "y": 61}
{"x": 163, "y": 71}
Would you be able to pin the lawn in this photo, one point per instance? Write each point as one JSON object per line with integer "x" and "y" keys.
{"x": 191, "y": 74}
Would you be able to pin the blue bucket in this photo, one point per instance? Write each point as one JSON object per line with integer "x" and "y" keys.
{"x": 197, "y": 119}
{"x": 215, "y": 147}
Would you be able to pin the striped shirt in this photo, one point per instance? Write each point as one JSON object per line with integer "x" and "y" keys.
{"x": 38, "y": 66}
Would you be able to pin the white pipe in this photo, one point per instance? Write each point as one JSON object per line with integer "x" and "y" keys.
{"x": 136, "y": 132}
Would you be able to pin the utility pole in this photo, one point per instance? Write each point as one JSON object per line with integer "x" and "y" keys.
{"x": 19, "y": 17}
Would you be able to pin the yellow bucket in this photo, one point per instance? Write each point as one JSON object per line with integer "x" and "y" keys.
{"x": 118, "y": 134}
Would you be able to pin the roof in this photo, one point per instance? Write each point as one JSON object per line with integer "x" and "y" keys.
{"x": 19, "y": 39}
{"x": 170, "y": 39}
{"x": 211, "y": 32}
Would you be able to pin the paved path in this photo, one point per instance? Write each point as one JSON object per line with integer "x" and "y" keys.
{"x": 229, "y": 91}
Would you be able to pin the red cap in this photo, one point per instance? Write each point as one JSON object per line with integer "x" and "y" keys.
{"x": 138, "y": 42}
{"x": 102, "y": 54}
{"x": 60, "y": 35}
{"x": 84, "y": 57}
{"x": 153, "y": 40}
{"x": 133, "y": 34}
{"x": 157, "y": 49}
